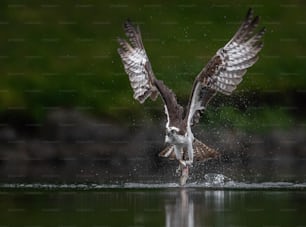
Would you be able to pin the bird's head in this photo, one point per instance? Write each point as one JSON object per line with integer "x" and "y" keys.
{"x": 175, "y": 136}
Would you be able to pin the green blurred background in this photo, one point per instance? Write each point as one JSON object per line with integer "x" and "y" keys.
{"x": 63, "y": 54}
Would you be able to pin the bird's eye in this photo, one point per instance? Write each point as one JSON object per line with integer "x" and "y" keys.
{"x": 173, "y": 131}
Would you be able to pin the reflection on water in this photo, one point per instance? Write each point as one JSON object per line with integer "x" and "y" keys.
{"x": 181, "y": 210}
{"x": 180, "y": 213}
{"x": 174, "y": 206}
{"x": 191, "y": 207}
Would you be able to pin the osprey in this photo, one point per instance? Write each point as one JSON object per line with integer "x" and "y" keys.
{"x": 222, "y": 74}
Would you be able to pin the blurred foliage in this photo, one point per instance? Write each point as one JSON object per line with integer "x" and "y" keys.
{"x": 64, "y": 53}
{"x": 254, "y": 119}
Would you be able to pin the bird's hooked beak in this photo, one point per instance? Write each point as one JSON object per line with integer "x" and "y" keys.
{"x": 169, "y": 134}
{"x": 167, "y": 137}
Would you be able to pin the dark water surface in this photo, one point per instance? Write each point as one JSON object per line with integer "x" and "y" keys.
{"x": 230, "y": 204}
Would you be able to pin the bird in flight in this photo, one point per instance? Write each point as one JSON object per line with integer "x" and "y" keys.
{"x": 222, "y": 74}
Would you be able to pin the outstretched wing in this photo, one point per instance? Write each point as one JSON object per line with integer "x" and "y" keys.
{"x": 137, "y": 64}
{"x": 141, "y": 76}
{"x": 225, "y": 70}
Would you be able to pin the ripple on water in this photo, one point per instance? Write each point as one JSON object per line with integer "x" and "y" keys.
{"x": 211, "y": 181}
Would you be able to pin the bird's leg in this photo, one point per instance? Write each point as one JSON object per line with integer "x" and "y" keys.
{"x": 190, "y": 156}
{"x": 178, "y": 155}
{"x": 178, "y": 152}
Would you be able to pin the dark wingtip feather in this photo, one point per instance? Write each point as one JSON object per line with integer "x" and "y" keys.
{"x": 128, "y": 22}
{"x": 257, "y": 38}
{"x": 255, "y": 21}
{"x": 128, "y": 25}
{"x": 249, "y": 14}
{"x": 132, "y": 31}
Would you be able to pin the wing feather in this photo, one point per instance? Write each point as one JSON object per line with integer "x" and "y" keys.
{"x": 143, "y": 82}
{"x": 225, "y": 70}
{"x": 136, "y": 64}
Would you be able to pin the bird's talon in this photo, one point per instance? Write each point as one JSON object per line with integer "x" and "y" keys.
{"x": 189, "y": 163}
{"x": 178, "y": 170}
{"x": 183, "y": 163}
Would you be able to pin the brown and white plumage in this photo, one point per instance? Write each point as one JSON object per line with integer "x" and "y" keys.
{"x": 222, "y": 74}
{"x": 201, "y": 152}
{"x": 137, "y": 64}
{"x": 225, "y": 70}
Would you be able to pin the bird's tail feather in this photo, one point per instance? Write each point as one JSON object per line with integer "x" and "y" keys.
{"x": 201, "y": 152}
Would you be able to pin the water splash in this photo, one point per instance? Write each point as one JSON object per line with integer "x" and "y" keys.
{"x": 215, "y": 179}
